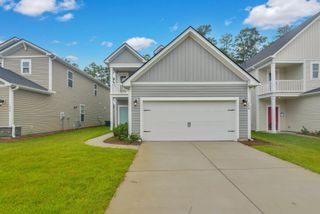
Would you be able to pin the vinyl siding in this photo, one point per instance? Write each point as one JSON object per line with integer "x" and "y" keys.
{"x": 304, "y": 111}
{"x": 38, "y": 113}
{"x": 191, "y": 91}
{"x": 20, "y": 51}
{"x": 39, "y": 69}
{"x": 189, "y": 62}
{"x": 4, "y": 109}
{"x": 125, "y": 57}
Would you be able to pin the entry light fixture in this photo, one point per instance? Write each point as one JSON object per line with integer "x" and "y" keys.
{"x": 135, "y": 102}
{"x": 1, "y": 102}
{"x": 244, "y": 102}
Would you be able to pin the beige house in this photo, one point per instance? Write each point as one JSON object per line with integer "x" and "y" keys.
{"x": 40, "y": 92}
{"x": 289, "y": 71}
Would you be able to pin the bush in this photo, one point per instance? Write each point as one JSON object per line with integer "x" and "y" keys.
{"x": 121, "y": 131}
{"x": 133, "y": 138}
{"x": 305, "y": 131}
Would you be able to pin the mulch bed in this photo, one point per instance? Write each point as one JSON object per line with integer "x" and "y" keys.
{"x": 255, "y": 142}
{"x": 114, "y": 140}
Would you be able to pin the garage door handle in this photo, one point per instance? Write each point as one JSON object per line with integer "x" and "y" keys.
{"x": 230, "y": 130}
{"x": 146, "y": 110}
{"x": 146, "y": 131}
{"x": 231, "y": 110}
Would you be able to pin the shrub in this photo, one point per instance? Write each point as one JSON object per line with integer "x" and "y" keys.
{"x": 121, "y": 131}
{"x": 133, "y": 138}
{"x": 305, "y": 131}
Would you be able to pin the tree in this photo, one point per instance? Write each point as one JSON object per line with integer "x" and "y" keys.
{"x": 226, "y": 43}
{"x": 99, "y": 72}
{"x": 71, "y": 63}
{"x": 248, "y": 43}
{"x": 282, "y": 30}
{"x": 147, "y": 57}
{"x": 205, "y": 31}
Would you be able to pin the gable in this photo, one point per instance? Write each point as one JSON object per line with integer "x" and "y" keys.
{"x": 304, "y": 46}
{"x": 125, "y": 56}
{"x": 189, "y": 62}
{"x": 19, "y": 50}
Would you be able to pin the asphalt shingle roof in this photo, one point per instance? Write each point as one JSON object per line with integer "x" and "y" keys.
{"x": 278, "y": 44}
{"x": 17, "y": 79}
{"x": 316, "y": 90}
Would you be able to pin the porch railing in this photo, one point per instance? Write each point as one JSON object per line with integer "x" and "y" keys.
{"x": 117, "y": 88}
{"x": 285, "y": 86}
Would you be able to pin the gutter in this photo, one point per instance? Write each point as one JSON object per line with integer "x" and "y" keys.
{"x": 13, "y": 127}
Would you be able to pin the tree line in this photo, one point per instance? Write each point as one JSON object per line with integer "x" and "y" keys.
{"x": 241, "y": 47}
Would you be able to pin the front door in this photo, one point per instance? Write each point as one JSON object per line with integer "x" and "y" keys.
{"x": 123, "y": 114}
{"x": 270, "y": 118}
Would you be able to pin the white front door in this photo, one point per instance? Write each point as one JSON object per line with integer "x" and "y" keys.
{"x": 189, "y": 120}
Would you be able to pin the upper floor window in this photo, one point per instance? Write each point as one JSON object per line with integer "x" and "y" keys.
{"x": 95, "y": 89}
{"x": 315, "y": 70}
{"x": 70, "y": 79}
{"x": 82, "y": 112}
{"x": 26, "y": 66}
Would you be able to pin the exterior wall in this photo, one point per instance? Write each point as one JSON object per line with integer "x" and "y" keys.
{"x": 304, "y": 111}
{"x": 306, "y": 48}
{"x": 22, "y": 52}
{"x": 191, "y": 91}
{"x": 4, "y": 109}
{"x": 126, "y": 57}
{"x": 189, "y": 62}
{"x": 39, "y": 69}
{"x": 37, "y": 113}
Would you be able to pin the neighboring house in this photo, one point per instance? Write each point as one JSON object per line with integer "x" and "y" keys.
{"x": 189, "y": 90}
{"x": 40, "y": 92}
{"x": 288, "y": 69}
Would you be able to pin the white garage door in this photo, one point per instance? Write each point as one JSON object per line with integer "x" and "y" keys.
{"x": 189, "y": 120}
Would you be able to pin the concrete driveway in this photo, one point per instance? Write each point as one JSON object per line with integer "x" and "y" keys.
{"x": 213, "y": 177}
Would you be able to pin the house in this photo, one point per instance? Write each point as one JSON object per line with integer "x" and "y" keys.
{"x": 189, "y": 90}
{"x": 40, "y": 92}
{"x": 289, "y": 96}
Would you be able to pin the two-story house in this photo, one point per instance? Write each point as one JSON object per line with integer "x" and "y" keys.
{"x": 289, "y": 96}
{"x": 40, "y": 92}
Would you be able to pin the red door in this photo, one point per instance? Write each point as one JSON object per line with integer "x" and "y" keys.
{"x": 270, "y": 118}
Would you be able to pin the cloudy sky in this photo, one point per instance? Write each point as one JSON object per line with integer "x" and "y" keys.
{"x": 85, "y": 31}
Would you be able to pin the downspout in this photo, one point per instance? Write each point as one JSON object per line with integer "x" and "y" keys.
{"x": 13, "y": 127}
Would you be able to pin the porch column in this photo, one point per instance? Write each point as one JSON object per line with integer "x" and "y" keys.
{"x": 273, "y": 77}
{"x": 111, "y": 112}
{"x": 273, "y": 114}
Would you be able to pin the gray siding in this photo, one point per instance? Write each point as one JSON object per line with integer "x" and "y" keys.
{"x": 189, "y": 62}
{"x": 191, "y": 91}
{"x": 126, "y": 57}
{"x": 38, "y": 113}
{"x": 40, "y": 69}
{"x": 4, "y": 109}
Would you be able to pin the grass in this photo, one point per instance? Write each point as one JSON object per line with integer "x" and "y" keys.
{"x": 300, "y": 150}
{"x": 60, "y": 174}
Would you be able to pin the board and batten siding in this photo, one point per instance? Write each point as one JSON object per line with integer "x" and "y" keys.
{"x": 4, "y": 109}
{"x": 240, "y": 91}
{"x": 39, "y": 69}
{"x": 189, "y": 62}
{"x": 37, "y": 113}
{"x": 125, "y": 57}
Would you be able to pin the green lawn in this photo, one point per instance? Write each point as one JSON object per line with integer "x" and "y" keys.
{"x": 300, "y": 150}
{"x": 60, "y": 174}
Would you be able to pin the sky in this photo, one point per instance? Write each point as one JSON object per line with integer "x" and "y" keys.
{"x": 88, "y": 31}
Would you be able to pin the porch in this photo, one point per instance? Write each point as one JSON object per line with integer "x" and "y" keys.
{"x": 119, "y": 110}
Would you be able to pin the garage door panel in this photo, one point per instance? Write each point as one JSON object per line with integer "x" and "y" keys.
{"x": 176, "y": 120}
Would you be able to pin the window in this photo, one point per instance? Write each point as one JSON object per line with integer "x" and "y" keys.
{"x": 315, "y": 71}
{"x": 95, "y": 89}
{"x": 26, "y": 66}
{"x": 123, "y": 78}
{"x": 70, "y": 79}
{"x": 82, "y": 112}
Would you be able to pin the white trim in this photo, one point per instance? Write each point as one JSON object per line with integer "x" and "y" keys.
{"x": 257, "y": 104}
{"x": 30, "y": 44}
{"x": 69, "y": 71}
{"x": 111, "y": 113}
{"x": 125, "y": 45}
{"x": 235, "y": 99}
{"x": 118, "y": 113}
{"x": 2, "y": 62}
{"x": 205, "y": 44}
{"x": 311, "y": 70}
{"x": 50, "y": 75}
{"x": 130, "y": 112}
{"x": 30, "y": 66}
{"x": 304, "y": 74}
{"x": 190, "y": 83}
{"x": 84, "y": 113}
{"x": 11, "y": 107}
{"x": 249, "y": 106}
{"x": 6, "y": 83}
{"x": 31, "y": 56}
{"x": 279, "y": 125}
{"x": 125, "y": 65}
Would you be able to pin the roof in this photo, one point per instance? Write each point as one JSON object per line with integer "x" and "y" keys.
{"x": 279, "y": 43}
{"x": 119, "y": 49}
{"x": 191, "y": 31}
{"x": 313, "y": 91}
{"x": 16, "y": 79}
{"x": 15, "y": 41}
